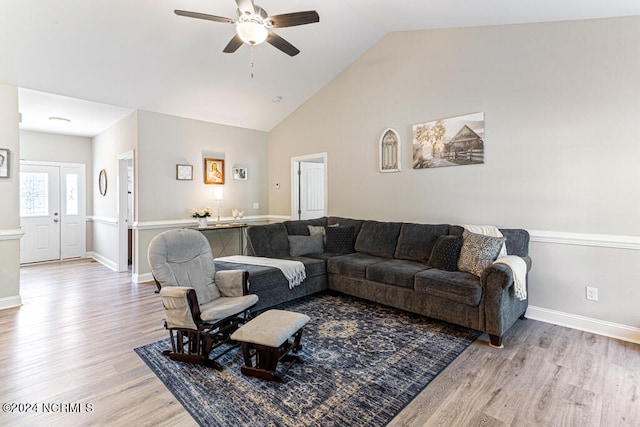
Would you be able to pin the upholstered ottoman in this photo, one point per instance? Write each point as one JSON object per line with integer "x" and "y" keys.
{"x": 267, "y": 338}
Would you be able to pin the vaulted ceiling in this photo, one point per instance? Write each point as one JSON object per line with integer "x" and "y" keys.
{"x": 94, "y": 61}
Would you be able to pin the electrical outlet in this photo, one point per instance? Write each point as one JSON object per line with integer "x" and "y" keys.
{"x": 256, "y": 205}
{"x": 592, "y": 293}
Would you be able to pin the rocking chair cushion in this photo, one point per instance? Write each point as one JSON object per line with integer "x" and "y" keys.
{"x": 230, "y": 283}
{"x": 225, "y": 307}
{"x": 183, "y": 257}
{"x": 176, "y": 307}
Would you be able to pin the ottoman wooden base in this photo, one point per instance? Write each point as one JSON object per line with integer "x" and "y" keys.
{"x": 270, "y": 338}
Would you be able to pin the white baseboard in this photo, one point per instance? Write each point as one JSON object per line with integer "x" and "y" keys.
{"x": 112, "y": 265}
{"x": 587, "y": 324}
{"x": 141, "y": 278}
{"x": 10, "y": 302}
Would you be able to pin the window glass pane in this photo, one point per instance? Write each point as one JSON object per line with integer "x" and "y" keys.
{"x": 72, "y": 194}
{"x": 34, "y": 194}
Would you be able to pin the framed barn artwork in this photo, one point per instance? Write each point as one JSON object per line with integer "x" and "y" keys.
{"x": 455, "y": 141}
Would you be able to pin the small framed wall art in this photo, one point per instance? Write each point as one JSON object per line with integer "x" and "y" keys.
{"x": 389, "y": 151}
{"x": 240, "y": 174}
{"x": 4, "y": 163}
{"x": 184, "y": 172}
{"x": 214, "y": 171}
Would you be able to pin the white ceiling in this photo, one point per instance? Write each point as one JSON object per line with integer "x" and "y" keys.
{"x": 123, "y": 55}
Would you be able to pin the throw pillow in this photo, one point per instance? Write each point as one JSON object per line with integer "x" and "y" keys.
{"x": 303, "y": 245}
{"x": 340, "y": 240}
{"x": 478, "y": 251}
{"x": 445, "y": 253}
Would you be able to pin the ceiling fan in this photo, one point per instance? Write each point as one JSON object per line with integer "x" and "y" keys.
{"x": 254, "y": 25}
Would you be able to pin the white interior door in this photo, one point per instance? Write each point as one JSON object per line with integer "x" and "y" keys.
{"x": 311, "y": 190}
{"x": 39, "y": 213}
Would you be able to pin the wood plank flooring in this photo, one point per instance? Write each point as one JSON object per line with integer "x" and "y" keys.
{"x": 72, "y": 341}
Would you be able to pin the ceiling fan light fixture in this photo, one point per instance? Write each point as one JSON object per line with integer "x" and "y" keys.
{"x": 252, "y": 32}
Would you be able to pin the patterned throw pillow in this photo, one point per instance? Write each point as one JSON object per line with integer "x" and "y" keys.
{"x": 340, "y": 240}
{"x": 478, "y": 251}
{"x": 445, "y": 253}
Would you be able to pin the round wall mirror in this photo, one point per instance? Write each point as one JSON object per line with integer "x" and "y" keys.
{"x": 102, "y": 182}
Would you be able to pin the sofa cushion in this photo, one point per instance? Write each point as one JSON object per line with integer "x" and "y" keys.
{"x": 517, "y": 241}
{"x": 303, "y": 245}
{"x": 313, "y": 266}
{"x": 416, "y": 241}
{"x": 345, "y": 222}
{"x": 263, "y": 277}
{"x": 395, "y": 272}
{"x": 340, "y": 240}
{"x": 478, "y": 251}
{"x": 378, "y": 238}
{"x": 268, "y": 240}
{"x": 352, "y": 265}
{"x": 300, "y": 227}
{"x": 445, "y": 253}
{"x": 455, "y": 286}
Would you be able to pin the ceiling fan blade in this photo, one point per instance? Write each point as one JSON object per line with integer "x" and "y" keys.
{"x": 293, "y": 19}
{"x": 205, "y": 16}
{"x": 233, "y": 44}
{"x": 246, "y": 6}
{"x": 278, "y": 42}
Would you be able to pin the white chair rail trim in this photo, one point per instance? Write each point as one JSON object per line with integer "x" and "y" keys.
{"x": 584, "y": 239}
{"x": 11, "y": 234}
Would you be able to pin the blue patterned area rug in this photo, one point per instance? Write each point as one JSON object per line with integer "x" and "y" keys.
{"x": 363, "y": 363}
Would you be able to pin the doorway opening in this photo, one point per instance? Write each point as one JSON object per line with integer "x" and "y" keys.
{"x": 309, "y": 193}
{"x": 126, "y": 235}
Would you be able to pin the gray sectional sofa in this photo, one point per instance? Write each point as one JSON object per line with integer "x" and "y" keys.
{"x": 413, "y": 267}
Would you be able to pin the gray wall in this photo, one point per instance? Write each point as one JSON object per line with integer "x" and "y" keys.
{"x": 561, "y": 103}
{"x": 10, "y": 232}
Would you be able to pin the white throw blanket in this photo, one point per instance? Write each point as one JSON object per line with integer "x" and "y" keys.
{"x": 518, "y": 265}
{"x": 294, "y": 271}
{"x": 519, "y": 268}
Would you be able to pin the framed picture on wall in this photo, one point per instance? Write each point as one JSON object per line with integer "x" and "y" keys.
{"x": 240, "y": 173}
{"x": 214, "y": 171}
{"x": 184, "y": 172}
{"x": 4, "y": 163}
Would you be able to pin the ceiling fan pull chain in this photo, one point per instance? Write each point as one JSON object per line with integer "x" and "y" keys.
{"x": 251, "y": 46}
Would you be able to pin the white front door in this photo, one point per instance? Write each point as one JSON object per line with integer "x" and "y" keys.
{"x": 73, "y": 215}
{"x": 39, "y": 213}
{"x": 52, "y": 212}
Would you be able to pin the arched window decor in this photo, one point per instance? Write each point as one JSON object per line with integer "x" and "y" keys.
{"x": 390, "y": 151}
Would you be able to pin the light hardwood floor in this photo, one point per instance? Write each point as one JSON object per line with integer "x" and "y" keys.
{"x": 72, "y": 342}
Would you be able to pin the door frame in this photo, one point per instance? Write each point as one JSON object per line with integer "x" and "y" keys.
{"x": 83, "y": 171}
{"x": 122, "y": 194}
{"x": 295, "y": 183}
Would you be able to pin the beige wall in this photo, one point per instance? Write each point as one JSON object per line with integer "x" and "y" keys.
{"x": 107, "y": 146}
{"x": 10, "y": 204}
{"x": 50, "y": 147}
{"x": 164, "y": 202}
{"x": 560, "y": 100}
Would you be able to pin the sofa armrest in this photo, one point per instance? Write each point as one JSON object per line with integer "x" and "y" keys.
{"x": 232, "y": 283}
{"x": 501, "y": 307}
